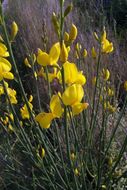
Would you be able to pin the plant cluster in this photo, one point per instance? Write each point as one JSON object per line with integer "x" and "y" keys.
{"x": 69, "y": 144}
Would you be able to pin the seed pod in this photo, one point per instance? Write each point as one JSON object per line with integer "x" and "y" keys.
{"x": 68, "y": 10}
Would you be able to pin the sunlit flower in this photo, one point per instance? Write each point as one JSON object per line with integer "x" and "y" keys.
{"x": 45, "y": 119}
{"x": 51, "y": 76}
{"x": 107, "y": 47}
{"x": 79, "y": 107}
{"x": 3, "y": 50}
{"x": 12, "y": 95}
{"x": 5, "y": 68}
{"x": 26, "y": 62}
{"x": 45, "y": 59}
{"x": 24, "y": 110}
{"x": 72, "y": 95}
{"x": 72, "y": 77}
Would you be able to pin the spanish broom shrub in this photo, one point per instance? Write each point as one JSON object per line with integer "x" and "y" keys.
{"x": 72, "y": 142}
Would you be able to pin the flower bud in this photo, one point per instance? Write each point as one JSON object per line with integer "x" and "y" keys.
{"x": 64, "y": 53}
{"x": 73, "y": 33}
{"x": 14, "y": 30}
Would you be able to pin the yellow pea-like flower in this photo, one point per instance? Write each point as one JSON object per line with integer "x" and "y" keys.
{"x": 79, "y": 107}
{"x": 72, "y": 95}
{"x": 72, "y": 77}
{"x": 3, "y": 50}
{"x": 45, "y": 59}
{"x": 5, "y": 68}
{"x": 24, "y": 110}
{"x": 73, "y": 33}
{"x": 45, "y": 119}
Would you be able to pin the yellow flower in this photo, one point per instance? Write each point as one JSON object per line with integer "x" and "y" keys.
{"x": 93, "y": 53}
{"x": 110, "y": 92}
{"x": 51, "y": 76}
{"x": 72, "y": 77}
{"x": 105, "y": 74}
{"x": 73, "y": 33}
{"x": 125, "y": 85}
{"x": 26, "y": 62}
{"x": 12, "y": 95}
{"x": 45, "y": 59}
{"x": 107, "y": 47}
{"x": 14, "y": 30}
{"x": 72, "y": 95}
{"x": 63, "y": 53}
{"x": 24, "y": 110}
{"x": 45, "y": 119}
{"x": 79, "y": 107}
{"x": 5, "y": 68}
{"x": 3, "y": 50}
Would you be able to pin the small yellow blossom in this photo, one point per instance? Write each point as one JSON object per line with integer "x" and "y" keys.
{"x": 107, "y": 47}
{"x": 5, "y": 68}
{"x": 45, "y": 59}
{"x": 45, "y": 119}
{"x": 3, "y": 50}
{"x": 26, "y": 62}
{"x": 24, "y": 110}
